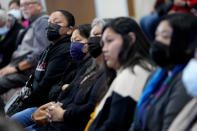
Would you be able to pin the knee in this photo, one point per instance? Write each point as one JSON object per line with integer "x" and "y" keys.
{"x": 23, "y": 113}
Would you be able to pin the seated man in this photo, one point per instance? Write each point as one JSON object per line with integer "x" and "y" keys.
{"x": 9, "y": 29}
{"x": 25, "y": 57}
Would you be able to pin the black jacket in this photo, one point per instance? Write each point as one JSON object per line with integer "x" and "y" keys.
{"x": 54, "y": 61}
{"x": 8, "y": 43}
{"x": 56, "y": 93}
{"x": 79, "y": 100}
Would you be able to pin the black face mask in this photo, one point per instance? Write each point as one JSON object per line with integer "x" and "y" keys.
{"x": 160, "y": 54}
{"x": 53, "y": 32}
{"x": 94, "y": 47}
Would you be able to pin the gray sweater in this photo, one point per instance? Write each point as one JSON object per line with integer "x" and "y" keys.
{"x": 33, "y": 43}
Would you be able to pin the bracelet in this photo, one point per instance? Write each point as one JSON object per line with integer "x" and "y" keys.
{"x": 17, "y": 68}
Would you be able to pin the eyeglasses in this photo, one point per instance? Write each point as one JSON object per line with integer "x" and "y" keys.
{"x": 27, "y": 4}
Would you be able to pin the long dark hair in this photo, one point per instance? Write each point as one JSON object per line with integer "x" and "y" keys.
{"x": 183, "y": 37}
{"x": 108, "y": 76}
{"x": 138, "y": 52}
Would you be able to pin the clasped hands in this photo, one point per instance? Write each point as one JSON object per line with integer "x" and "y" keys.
{"x": 49, "y": 112}
{"x": 55, "y": 112}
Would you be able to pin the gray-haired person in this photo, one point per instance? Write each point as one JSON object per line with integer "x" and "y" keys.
{"x": 9, "y": 29}
{"x": 33, "y": 42}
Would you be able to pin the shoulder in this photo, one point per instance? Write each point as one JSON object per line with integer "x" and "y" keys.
{"x": 41, "y": 22}
{"x": 131, "y": 83}
{"x": 126, "y": 75}
{"x": 42, "y": 18}
{"x": 59, "y": 50}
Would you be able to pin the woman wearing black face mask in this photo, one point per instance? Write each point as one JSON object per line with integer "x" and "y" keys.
{"x": 54, "y": 61}
{"x": 56, "y": 58}
{"x": 95, "y": 50}
{"x": 94, "y": 47}
{"x": 189, "y": 112}
{"x": 78, "y": 98}
{"x": 164, "y": 95}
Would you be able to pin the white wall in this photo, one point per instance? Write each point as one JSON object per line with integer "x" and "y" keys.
{"x": 4, "y": 3}
{"x": 143, "y": 7}
{"x": 115, "y": 8}
{"x": 111, "y": 8}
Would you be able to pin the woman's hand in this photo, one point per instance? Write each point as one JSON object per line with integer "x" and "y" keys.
{"x": 56, "y": 113}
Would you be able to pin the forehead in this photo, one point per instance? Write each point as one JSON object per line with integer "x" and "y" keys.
{"x": 76, "y": 36}
{"x": 26, "y": 1}
{"x": 96, "y": 29}
{"x": 164, "y": 26}
{"x": 76, "y": 33}
{"x": 57, "y": 15}
{"x": 14, "y": 6}
{"x": 109, "y": 33}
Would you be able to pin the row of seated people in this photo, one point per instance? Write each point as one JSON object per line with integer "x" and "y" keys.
{"x": 20, "y": 49}
{"x": 108, "y": 76}
{"x": 137, "y": 86}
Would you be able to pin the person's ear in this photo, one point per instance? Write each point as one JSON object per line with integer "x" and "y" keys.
{"x": 39, "y": 6}
{"x": 70, "y": 30}
{"x": 66, "y": 30}
{"x": 132, "y": 36}
{"x": 85, "y": 48}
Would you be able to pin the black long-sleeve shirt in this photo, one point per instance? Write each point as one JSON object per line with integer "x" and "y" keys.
{"x": 54, "y": 61}
{"x": 79, "y": 100}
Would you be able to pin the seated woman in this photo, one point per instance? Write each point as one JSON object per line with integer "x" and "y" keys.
{"x": 79, "y": 98}
{"x": 23, "y": 116}
{"x": 164, "y": 95}
{"x": 53, "y": 61}
{"x": 189, "y": 112}
{"x": 95, "y": 50}
{"x": 125, "y": 50}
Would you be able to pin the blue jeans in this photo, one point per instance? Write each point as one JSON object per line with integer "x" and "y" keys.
{"x": 24, "y": 117}
{"x": 31, "y": 128}
{"x": 149, "y": 23}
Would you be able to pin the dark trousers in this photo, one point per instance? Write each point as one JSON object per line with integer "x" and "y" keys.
{"x": 13, "y": 81}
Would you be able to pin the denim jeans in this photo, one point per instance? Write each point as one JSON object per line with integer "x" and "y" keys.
{"x": 24, "y": 117}
{"x": 149, "y": 23}
{"x": 31, "y": 128}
